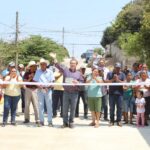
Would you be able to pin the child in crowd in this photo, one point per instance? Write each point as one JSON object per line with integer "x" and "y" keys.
{"x": 128, "y": 98}
{"x": 140, "y": 108}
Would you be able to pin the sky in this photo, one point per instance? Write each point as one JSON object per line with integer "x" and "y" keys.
{"x": 83, "y": 20}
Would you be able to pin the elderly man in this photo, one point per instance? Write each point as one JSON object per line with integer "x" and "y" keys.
{"x": 31, "y": 93}
{"x": 70, "y": 96}
{"x": 116, "y": 93}
{"x": 44, "y": 75}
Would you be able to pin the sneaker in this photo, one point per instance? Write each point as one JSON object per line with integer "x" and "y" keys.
{"x": 26, "y": 121}
{"x": 50, "y": 124}
{"x": 54, "y": 116}
{"x": 13, "y": 123}
{"x": 71, "y": 125}
{"x": 65, "y": 125}
{"x": 119, "y": 124}
{"x": 131, "y": 123}
{"x": 38, "y": 124}
{"x": 111, "y": 124}
{"x": 85, "y": 117}
{"x": 106, "y": 119}
{"x": 3, "y": 124}
{"x": 42, "y": 123}
{"x": 126, "y": 122}
{"x": 76, "y": 115}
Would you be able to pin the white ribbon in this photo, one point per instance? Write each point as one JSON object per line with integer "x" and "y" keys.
{"x": 78, "y": 84}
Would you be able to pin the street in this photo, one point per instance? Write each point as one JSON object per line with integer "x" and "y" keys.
{"x": 24, "y": 137}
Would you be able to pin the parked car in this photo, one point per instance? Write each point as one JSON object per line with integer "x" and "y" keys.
{"x": 87, "y": 55}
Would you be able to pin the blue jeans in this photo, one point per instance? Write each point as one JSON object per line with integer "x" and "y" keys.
{"x": 47, "y": 97}
{"x": 69, "y": 99}
{"x": 115, "y": 100}
{"x": 105, "y": 105}
{"x": 10, "y": 103}
{"x": 128, "y": 103}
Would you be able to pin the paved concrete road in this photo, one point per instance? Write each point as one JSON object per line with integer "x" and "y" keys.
{"x": 82, "y": 137}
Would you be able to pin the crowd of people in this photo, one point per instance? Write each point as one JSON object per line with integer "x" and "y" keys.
{"x": 126, "y": 101}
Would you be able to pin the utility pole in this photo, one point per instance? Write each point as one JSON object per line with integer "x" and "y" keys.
{"x": 72, "y": 50}
{"x": 16, "y": 38}
{"x": 63, "y": 36}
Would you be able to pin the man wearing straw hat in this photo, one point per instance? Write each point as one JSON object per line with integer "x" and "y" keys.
{"x": 31, "y": 93}
{"x": 44, "y": 75}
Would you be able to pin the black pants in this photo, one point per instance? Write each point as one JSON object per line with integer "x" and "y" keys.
{"x": 82, "y": 94}
{"x": 23, "y": 99}
{"x": 57, "y": 97}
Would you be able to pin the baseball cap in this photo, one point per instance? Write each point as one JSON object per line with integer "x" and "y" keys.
{"x": 21, "y": 66}
{"x": 117, "y": 65}
{"x": 11, "y": 64}
{"x": 83, "y": 67}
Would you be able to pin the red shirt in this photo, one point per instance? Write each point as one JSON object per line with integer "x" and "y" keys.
{"x": 26, "y": 77}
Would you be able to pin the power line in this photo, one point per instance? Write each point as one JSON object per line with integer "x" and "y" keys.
{"x": 5, "y": 33}
{"x": 93, "y": 26}
{"x": 64, "y": 32}
{"x": 3, "y": 24}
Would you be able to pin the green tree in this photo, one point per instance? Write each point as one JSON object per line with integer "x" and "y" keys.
{"x": 32, "y": 48}
{"x": 131, "y": 43}
{"x": 131, "y": 30}
{"x": 145, "y": 31}
{"x": 99, "y": 51}
{"x": 127, "y": 21}
{"x": 109, "y": 36}
{"x": 37, "y": 47}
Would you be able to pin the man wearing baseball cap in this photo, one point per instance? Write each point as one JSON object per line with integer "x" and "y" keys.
{"x": 116, "y": 93}
{"x": 8, "y": 69}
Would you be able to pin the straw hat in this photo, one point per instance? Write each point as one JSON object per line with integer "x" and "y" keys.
{"x": 32, "y": 63}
